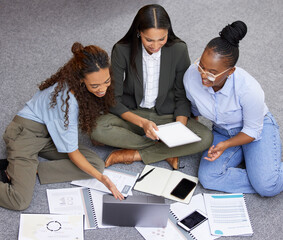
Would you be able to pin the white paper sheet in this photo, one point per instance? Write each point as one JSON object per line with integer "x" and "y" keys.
{"x": 171, "y": 232}
{"x": 228, "y": 215}
{"x": 48, "y": 226}
{"x": 72, "y": 201}
{"x": 124, "y": 181}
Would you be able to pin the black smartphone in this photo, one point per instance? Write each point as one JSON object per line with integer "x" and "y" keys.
{"x": 192, "y": 220}
{"x": 183, "y": 188}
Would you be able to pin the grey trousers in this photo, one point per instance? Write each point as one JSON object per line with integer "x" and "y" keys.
{"x": 114, "y": 131}
{"x": 25, "y": 141}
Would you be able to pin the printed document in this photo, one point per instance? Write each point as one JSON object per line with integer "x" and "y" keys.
{"x": 78, "y": 201}
{"x": 124, "y": 181}
{"x": 227, "y": 214}
{"x": 49, "y": 226}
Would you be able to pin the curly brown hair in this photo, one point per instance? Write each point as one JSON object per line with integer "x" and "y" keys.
{"x": 86, "y": 60}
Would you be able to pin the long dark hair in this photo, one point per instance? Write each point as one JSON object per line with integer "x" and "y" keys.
{"x": 85, "y": 60}
{"x": 149, "y": 16}
{"x": 227, "y": 44}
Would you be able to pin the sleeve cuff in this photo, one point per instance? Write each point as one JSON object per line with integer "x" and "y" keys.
{"x": 256, "y": 134}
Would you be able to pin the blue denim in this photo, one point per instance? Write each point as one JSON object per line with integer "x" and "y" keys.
{"x": 264, "y": 169}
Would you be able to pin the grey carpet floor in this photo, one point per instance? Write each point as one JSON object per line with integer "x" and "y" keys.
{"x": 35, "y": 40}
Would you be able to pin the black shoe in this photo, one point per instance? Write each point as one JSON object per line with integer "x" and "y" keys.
{"x": 3, "y": 177}
{"x": 3, "y": 164}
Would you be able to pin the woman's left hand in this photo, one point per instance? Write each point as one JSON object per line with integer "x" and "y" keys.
{"x": 111, "y": 186}
{"x": 215, "y": 152}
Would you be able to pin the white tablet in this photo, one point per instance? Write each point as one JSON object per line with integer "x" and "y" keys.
{"x": 176, "y": 134}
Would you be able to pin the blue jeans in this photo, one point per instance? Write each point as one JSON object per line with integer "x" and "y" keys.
{"x": 264, "y": 169}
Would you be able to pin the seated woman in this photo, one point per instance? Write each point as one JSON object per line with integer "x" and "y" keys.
{"x": 243, "y": 127}
{"x": 148, "y": 65}
{"x": 48, "y": 126}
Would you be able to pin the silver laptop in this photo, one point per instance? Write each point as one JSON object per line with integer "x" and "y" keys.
{"x": 135, "y": 211}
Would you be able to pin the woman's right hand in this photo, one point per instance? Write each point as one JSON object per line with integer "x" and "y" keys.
{"x": 111, "y": 186}
{"x": 149, "y": 127}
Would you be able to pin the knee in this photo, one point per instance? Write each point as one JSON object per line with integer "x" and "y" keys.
{"x": 100, "y": 167}
{"x": 93, "y": 159}
{"x": 203, "y": 132}
{"x": 20, "y": 203}
{"x": 103, "y": 123}
{"x": 207, "y": 139}
{"x": 98, "y": 132}
{"x": 21, "y": 206}
{"x": 207, "y": 178}
{"x": 265, "y": 188}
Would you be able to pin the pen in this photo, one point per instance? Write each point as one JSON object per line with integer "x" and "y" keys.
{"x": 143, "y": 176}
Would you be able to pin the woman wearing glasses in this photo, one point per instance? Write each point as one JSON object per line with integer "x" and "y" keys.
{"x": 243, "y": 127}
{"x": 148, "y": 65}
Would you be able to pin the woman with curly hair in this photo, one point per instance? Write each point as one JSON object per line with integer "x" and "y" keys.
{"x": 47, "y": 126}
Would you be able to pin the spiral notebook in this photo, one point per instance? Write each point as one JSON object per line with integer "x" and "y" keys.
{"x": 78, "y": 201}
{"x": 228, "y": 214}
{"x": 180, "y": 210}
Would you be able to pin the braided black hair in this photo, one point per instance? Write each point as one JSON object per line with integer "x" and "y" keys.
{"x": 227, "y": 44}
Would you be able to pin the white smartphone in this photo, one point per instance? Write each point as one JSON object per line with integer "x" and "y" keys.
{"x": 192, "y": 220}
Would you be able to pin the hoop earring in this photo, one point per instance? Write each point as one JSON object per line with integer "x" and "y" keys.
{"x": 82, "y": 84}
{"x": 138, "y": 35}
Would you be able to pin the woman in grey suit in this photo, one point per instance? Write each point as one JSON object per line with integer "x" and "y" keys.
{"x": 148, "y": 65}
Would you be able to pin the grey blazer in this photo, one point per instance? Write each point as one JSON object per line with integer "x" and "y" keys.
{"x": 171, "y": 97}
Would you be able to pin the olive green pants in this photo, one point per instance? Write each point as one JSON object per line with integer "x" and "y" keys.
{"x": 25, "y": 141}
{"x": 114, "y": 131}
